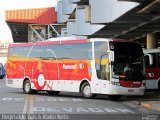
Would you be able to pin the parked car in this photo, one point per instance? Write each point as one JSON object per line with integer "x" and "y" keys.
{"x": 2, "y": 71}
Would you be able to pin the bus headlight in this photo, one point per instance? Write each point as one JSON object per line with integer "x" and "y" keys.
{"x": 122, "y": 77}
{"x": 115, "y": 83}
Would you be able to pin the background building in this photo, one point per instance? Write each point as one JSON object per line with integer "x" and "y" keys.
{"x": 134, "y": 20}
{"x": 3, "y": 51}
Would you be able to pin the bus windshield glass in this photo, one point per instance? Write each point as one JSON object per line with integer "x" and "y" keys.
{"x": 128, "y": 61}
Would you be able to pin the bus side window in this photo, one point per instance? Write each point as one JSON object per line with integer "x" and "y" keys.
{"x": 37, "y": 52}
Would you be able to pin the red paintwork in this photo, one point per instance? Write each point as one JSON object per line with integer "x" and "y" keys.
{"x": 49, "y": 68}
{"x": 49, "y": 42}
{"x": 17, "y": 68}
{"x": 152, "y": 73}
{"x": 130, "y": 84}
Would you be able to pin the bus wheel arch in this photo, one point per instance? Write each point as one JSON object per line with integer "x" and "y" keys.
{"x": 85, "y": 90}
{"x": 27, "y": 87}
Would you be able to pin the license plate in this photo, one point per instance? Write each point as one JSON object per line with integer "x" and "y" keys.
{"x": 130, "y": 90}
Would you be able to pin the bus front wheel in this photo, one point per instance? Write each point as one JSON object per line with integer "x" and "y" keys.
{"x": 86, "y": 91}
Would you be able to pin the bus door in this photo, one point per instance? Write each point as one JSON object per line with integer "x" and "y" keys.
{"x": 102, "y": 67}
{"x": 149, "y": 71}
{"x": 104, "y": 74}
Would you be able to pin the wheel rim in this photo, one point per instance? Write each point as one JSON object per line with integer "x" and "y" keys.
{"x": 27, "y": 87}
{"x": 87, "y": 90}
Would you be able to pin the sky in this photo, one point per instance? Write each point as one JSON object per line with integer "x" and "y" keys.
{"x": 5, "y": 33}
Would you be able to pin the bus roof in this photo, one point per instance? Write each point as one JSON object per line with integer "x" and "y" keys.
{"x": 50, "y": 41}
{"x": 65, "y": 40}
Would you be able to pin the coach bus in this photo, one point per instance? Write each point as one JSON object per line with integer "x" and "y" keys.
{"x": 86, "y": 66}
{"x": 152, "y": 68}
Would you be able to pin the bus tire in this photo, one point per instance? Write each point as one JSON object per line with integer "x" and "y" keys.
{"x": 27, "y": 87}
{"x": 53, "y": 92}
{"x": 86, "y": 91}
{"x": 115, "y": 97}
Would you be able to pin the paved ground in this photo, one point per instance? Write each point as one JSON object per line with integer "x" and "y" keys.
{"x": 132, "y": 107}
{"x": 151, "y": 100}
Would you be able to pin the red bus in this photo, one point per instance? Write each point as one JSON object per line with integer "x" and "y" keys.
{"x": 87, "y": 66}
{"x": 152, "y": 68}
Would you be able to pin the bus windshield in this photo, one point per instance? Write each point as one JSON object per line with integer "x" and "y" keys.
{"x": 128, "y": 61}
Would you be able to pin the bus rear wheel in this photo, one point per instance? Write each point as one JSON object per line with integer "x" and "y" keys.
{"x": 86, "y": 91}
{"x": 27, "y": 87}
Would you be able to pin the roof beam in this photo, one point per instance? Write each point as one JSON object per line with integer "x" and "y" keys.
{"x": 149, "y": 7}
{"x": 138, "y": 26}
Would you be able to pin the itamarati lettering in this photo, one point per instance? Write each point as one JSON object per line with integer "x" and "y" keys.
{"x": 69, "y": 66}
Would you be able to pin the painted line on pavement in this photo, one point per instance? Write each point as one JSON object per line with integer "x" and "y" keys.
{"x": 25, "y": 104}
{"x": 28, "y": 105}
{"x": 31, "y": 104}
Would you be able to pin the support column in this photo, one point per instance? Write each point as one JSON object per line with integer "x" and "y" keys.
{"x": 151, "y": 41}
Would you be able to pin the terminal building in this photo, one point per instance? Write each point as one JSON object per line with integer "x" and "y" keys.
{"x": 133, "y": 20}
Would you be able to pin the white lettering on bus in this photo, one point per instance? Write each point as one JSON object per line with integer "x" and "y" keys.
{"x": 151, "y": 74}
{"x": 69, "y": 66}
{"x": 81, "y": 66}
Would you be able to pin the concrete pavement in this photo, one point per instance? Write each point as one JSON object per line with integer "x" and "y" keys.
{"x": 151, "y": 100}
{"x": 154, "y": 105}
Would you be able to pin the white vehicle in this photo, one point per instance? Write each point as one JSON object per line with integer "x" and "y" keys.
{"x": 152, "y": 68}
{"x": 88, "y": 66}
